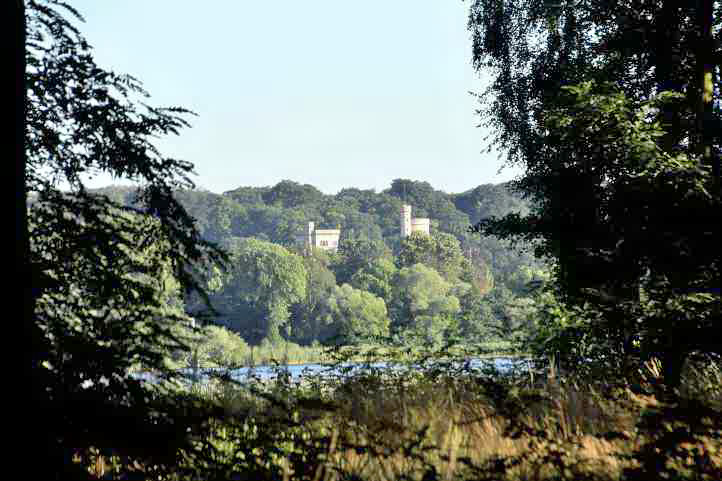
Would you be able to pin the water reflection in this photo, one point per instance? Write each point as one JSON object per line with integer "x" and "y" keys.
{"x": 298, "y": 371}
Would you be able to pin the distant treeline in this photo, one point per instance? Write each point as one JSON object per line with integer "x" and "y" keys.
{"x": 422, "y": 289}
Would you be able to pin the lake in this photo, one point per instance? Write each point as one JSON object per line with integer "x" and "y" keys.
{"x": 298, "y": 371}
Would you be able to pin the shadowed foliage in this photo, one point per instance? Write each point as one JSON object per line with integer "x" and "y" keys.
{"x": 613, "y": 111}
{"x": 101, "y": 270}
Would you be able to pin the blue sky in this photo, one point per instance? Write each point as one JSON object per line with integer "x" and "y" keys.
{"x": 334, "y": 93}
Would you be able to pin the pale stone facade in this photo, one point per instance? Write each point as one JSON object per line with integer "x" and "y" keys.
{"x": 410, "y": 224}
{"x": 405, "y": 221}
{"x": 326, "y": 239}
{"x": 420, "y": 225}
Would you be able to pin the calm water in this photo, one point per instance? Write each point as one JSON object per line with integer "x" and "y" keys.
{"x": 298, "y": 371}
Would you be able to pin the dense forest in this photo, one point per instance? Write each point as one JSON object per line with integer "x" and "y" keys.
{"x": 451, "y": 285}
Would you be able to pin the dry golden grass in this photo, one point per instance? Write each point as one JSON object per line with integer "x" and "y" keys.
{"x": 458, "y": 428}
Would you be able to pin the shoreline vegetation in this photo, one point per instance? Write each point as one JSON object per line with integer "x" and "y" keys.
{"x": 295, "y": 355}
{"x": 454, "y": 426}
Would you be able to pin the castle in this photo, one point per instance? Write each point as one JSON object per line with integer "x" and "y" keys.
{"x": 327, "y": 239}
{"x": 409, "y": 224}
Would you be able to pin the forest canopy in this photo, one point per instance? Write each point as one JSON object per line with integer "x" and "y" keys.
{"x": 353, "y": 293}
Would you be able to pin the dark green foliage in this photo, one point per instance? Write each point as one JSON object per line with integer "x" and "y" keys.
{"x": 683, "y": 442}
{"x": 440, "y": 251}
{"x": 306, "y": 319}
{"x": 489, "y": 200}
{"x": 425, "y": 305}
{"x": 477, "y": 319}
{"x": 248, "y": 195}
{"x": 613, "y": 111}
{"x": 376, "y": 278}
{"x": 101, "y": 269}
{"x": 257, "y": 292}
{"x": 291, "y": 194}
{"x": 217, "y": 217}
{"x": 357, "y": 254}
{"x": 417, "y": 248}
{"x": 351, "y": 316}
{"x": 119, "y": 194}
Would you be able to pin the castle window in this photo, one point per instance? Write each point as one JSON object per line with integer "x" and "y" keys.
{"x": 324, "y": 243}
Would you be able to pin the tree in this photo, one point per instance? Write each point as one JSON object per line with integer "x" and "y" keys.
{"x": 425, "y": 304}
{"x": 351, "y": 316}
{"x": 442, "y": 252}
{"x": 96, "y": 303}
{"x": 292, "y": 194}
{"x": 217, "y": 217}
{"x": 367, "y": 217}
{"x": 418, "y": 248}
{"x": 361, "y": 200}
{"x": 481, "y": 276}
{"x": 489, "y": 200}
{"x": 213, "y": 347}
{"x": 264, "y": 281}
{"x": 376, "y": 278}
{"x": 248, "y": 195}
{"x": 355, "y": 254}
{"x": 477, "y": 320}
{"x": 620, "y": 146}
{"x": 511, "y": 314}
{"x": 321, "y": 283}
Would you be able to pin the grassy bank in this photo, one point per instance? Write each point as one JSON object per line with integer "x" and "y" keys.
{"x": 426, "y": 426}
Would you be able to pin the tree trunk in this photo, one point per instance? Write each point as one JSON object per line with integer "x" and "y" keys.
{"x": 705, "y": 84}
{"x": 22, "y": 245}
{"x": 672, "y": 364}
{"x": 668, "y": 24}
{"x": 45, "y": 466}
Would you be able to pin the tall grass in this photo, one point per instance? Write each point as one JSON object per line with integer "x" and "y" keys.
{"x": 431, "y": 424}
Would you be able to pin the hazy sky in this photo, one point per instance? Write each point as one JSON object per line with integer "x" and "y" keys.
{"x": 334, "y": 93}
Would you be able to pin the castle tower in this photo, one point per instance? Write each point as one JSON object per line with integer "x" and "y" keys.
{"x": 309, "y": 236}
{"x": 405, "y": 221}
